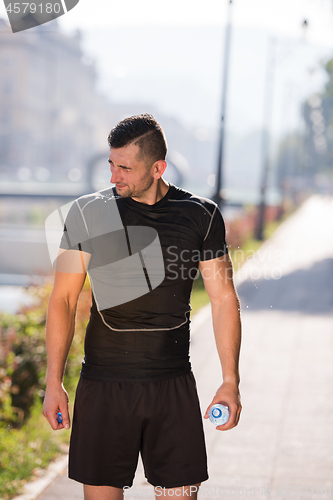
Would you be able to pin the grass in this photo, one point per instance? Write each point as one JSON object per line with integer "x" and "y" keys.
{"x": 26, "y": 451}
{"x": 239, "y": 255}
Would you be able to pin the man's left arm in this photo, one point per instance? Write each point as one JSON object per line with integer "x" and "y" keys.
{"x": 218, "y": 279}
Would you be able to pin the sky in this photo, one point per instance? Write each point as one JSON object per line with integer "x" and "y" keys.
{"x": 169, "y": 54}
{"x": 279, "y": 16}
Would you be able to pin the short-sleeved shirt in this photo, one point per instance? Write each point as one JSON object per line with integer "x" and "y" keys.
{"x": 144, "y": 259}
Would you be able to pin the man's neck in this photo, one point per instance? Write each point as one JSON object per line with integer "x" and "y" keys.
{"x": 155, "y": 193}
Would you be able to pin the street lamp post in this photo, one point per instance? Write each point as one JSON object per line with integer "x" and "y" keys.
{"x": 219, "y": 180}
{"x": 268, "y": 107}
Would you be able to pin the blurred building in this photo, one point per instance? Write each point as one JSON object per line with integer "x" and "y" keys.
{"x": 54, "y": 125}
{"x": 52, "y": 119}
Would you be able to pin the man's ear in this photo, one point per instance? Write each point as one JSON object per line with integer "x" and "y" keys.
{"x": 159, "y": 168}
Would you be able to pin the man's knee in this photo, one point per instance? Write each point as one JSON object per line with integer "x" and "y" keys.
{"x": 102, "y": 492}
{"x": 189, "y": 492}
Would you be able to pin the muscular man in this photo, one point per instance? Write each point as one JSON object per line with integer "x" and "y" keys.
{"x": 142, "y": 242}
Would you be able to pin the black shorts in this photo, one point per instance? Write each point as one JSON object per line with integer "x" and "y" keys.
{"x": 113, "y": 421}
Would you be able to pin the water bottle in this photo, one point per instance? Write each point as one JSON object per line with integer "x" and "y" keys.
{"x": 218, "y": 414}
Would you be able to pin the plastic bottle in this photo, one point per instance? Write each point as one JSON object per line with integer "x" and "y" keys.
{"x": 59, "y": 418}
{"x": 218, "y": 414}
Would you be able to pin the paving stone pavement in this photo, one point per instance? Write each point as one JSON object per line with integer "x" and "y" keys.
{"x": 283, "y": 445}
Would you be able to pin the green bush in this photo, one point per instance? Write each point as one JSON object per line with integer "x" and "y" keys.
{"x": 23, "y": 355}
{"x": 23, "y": 363}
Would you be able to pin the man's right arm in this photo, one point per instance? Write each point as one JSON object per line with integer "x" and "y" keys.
{"x": 59, "y": 335}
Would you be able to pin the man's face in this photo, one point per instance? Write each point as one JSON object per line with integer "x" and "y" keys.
{"x": 130, "y": 175}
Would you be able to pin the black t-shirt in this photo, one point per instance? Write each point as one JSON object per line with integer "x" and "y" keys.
{"x": 144, "y": 259}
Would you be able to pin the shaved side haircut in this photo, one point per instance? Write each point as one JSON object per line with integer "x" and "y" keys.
{"x": 145, "y": 132}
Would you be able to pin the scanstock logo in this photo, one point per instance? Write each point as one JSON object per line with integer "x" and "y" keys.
{"x": 25, "y": 15}
{"x": 123, "y": 262}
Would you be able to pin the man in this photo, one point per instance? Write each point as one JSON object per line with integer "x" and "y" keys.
{"x": 136, "y": 392}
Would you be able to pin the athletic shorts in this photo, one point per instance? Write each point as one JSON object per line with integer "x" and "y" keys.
{"x": 114, "y": 421}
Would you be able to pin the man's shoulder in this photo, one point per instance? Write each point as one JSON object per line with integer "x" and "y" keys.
{"x": 98, "y": 196}
{"x": 98, "y": 211}
{"x": 108, "y": 193}
{"x": 193, "y": 201}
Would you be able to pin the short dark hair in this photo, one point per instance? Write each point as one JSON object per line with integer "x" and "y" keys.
{"x": 144, "y": 131}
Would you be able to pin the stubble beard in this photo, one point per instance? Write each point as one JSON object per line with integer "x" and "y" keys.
{"x": 146, "y": 184}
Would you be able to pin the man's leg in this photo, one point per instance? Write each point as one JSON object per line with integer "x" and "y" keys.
{"x": 102, "y": 493}
{"x": 173, "y": 447}
{"x": 190, "y": 492}
{"x": 106, "y": 436}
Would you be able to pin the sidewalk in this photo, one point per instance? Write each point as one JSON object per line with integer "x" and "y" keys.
{"x": 283, "y": 445}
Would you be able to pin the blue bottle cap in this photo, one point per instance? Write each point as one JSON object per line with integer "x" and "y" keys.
{"x": 216, "y": 412}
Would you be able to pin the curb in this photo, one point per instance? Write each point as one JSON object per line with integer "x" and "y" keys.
{"x": 32, "y": 490}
